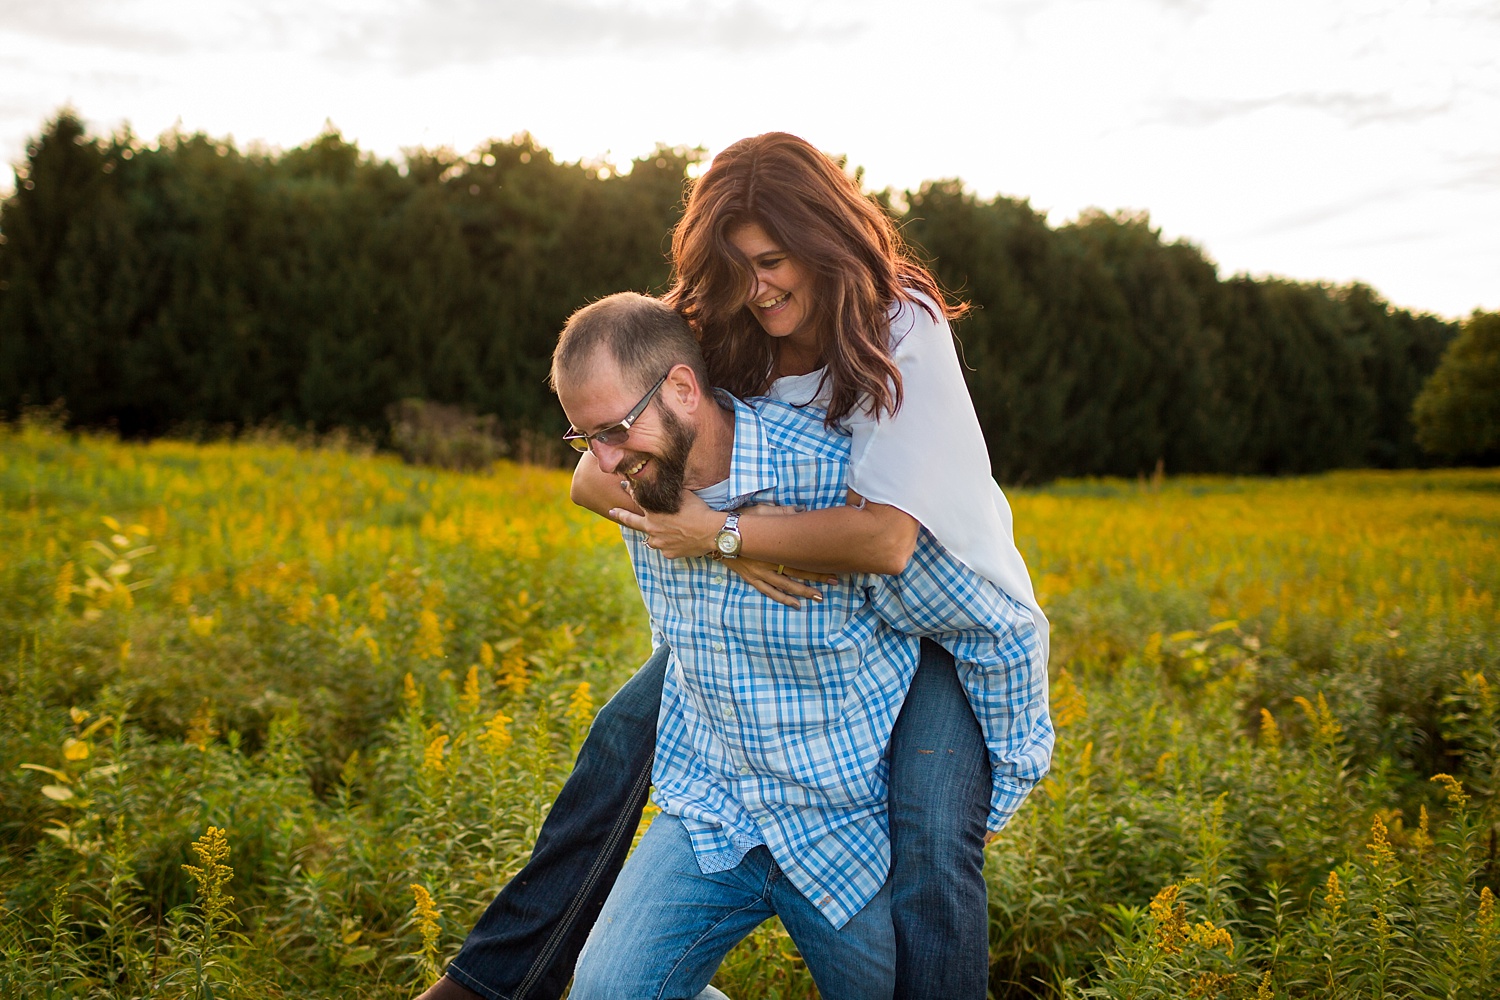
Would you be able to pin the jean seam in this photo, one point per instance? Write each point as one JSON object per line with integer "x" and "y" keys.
{"x": 596, "y": 871}
{"x": 467, "y": 980}
{"x": 689, "y": 949}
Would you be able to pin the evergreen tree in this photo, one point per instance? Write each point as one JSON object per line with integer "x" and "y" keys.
{"x": 1457, "y": 413}
{"x": 182, "y": 284}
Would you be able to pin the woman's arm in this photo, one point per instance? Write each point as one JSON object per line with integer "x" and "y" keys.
{"x": 604, "y": 494}
{"x": 594, "y": 489}
{"x": 857, "y": 538}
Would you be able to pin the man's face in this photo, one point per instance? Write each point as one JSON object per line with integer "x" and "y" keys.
{"x": 654, "y": 457}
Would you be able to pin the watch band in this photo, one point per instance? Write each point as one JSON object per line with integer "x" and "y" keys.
{"x": 728, "y": 541}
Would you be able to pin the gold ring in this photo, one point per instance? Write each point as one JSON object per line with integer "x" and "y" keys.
{"x": 781, "y": 568}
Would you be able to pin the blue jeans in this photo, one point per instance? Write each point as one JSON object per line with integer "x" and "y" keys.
{"x": 667, "y": 926}
{"x": 527, "y": 942}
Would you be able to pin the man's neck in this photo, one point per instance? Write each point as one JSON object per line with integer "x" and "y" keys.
{"x": 713, "y": 451}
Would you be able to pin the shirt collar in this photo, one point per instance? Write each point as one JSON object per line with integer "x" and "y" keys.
{"x": 751, "y": 469}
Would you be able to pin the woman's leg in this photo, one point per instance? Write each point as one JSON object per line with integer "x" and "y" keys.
{"x": 527, "y": 942}
{"x": 940, "y": 797}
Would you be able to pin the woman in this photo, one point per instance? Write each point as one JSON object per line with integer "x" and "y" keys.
{"x": 801, "y": 288}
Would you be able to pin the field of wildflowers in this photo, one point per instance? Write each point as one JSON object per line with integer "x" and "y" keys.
{"x": 277, "y": 720}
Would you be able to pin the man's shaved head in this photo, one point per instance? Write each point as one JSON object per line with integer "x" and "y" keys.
{"x": 644, "y": 337}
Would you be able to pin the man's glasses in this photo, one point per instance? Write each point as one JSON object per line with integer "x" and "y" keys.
{"x": 614, "y": 434}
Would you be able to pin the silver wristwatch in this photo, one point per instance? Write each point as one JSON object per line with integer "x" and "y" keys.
{"x": 727, "y": 542}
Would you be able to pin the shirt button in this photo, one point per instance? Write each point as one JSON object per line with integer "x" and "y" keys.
{"x": 744, "y": 768}
{"x": 718, "y": 647}
{"x": 728, "y": 711}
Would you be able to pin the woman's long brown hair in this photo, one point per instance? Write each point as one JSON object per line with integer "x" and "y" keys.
{"x": 818, "y": 215}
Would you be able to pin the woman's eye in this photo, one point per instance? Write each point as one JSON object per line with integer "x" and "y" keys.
{"x": 772, "y": 262}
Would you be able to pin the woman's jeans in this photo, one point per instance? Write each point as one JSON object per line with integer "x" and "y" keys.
{"x": 527, "y": 942}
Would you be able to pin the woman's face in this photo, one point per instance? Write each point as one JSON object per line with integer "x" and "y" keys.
{"x": 782, "y": 290}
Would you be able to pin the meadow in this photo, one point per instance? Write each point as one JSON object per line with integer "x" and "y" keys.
{"x": 277, "y": 719}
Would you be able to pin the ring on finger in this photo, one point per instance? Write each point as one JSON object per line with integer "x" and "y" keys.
{"x": 781, "y": 568}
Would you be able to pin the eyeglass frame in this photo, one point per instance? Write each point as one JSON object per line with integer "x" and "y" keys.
{"x": 579, "y": 441}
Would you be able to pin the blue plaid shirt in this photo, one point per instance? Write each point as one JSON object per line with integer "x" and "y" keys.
{"x": 774, "y": 721}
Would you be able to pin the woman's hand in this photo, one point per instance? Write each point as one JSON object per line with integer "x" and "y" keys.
{"x": 778, "y": 582}
{"x": 689, "y": 532}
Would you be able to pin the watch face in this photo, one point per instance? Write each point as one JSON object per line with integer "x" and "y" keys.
{"x": 728, "y": 542}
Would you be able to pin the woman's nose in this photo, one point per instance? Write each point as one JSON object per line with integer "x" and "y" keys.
{"x": 758, "y": 287}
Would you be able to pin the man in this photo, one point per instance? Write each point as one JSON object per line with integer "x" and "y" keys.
{"x": 773, "y": 722}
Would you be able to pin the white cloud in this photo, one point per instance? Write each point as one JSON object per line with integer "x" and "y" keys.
{"x": 1338, "y": 140}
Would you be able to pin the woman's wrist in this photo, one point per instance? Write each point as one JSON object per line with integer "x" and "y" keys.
{"x": 711, "y": 523}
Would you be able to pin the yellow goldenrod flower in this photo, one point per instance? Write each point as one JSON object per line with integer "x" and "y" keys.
{"x": 581, "y": 705}
{"x": 427, "y": 927}
{"x": 300, "y": 611}
{"x": 1422, "y": 839}
{"x": 432, "y": 756}
{"x": 1169, "y": 914}
{"x": 1333, "y": 897}
{"x": 513, "y": 672}
{"x": 120, "y": 597}
{"x": 1067, "y": 702}
{"x": 1160, "y": 770}
{"x": 349, "y": 773}
{"x": 469, "y": 700}
{"x": 1206, "y": 936}
{"x": 1270, "y": 733}
{"x": 377, "y": 603}
{"x": 497, "y": 737}
{"x": 201, "y": 731}
{"x": 1456, "y": 793}
{"x": 1208, "y": 985}
{"x": 75, "y": 750}
{"x": 63, "y": 591}
{"x": 410, "y": 693}
{"x": 429, "y": 642}
{"x": 1324, "y": 724}
{"x": 1264, "y": 991}
{"x": 212, "y": 850}
{"x": 1086, "y": 760}
{"x": 331, "y": 607}
{"x": 486, "y": 655}
{"x": 1382, "y": 855}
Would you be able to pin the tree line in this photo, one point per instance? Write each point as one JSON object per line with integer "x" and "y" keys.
{"x": 186, "y": 284}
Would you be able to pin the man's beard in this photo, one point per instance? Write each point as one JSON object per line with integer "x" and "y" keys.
{"x": 662, "y": 493}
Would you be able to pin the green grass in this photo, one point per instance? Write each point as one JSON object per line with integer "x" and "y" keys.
{"x": 371, "y": 677}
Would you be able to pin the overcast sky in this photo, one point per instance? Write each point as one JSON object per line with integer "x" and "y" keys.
{"x": 1319, "y": 139}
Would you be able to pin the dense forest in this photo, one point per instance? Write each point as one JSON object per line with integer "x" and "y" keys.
{"x": 186, "y": 285}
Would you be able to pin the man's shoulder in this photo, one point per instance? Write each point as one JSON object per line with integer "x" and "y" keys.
{"x": 799, "y": 429}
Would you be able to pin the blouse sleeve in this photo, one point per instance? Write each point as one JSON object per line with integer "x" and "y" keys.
{"x": 929, "y": 458}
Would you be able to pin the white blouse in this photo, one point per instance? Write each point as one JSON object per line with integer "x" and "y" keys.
{"x": 929, "y": 458}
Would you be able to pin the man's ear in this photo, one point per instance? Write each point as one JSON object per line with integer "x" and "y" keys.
{"x": 683, "y": 388}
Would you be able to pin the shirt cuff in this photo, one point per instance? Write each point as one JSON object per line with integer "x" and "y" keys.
{"x": 1005, "y": 798}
